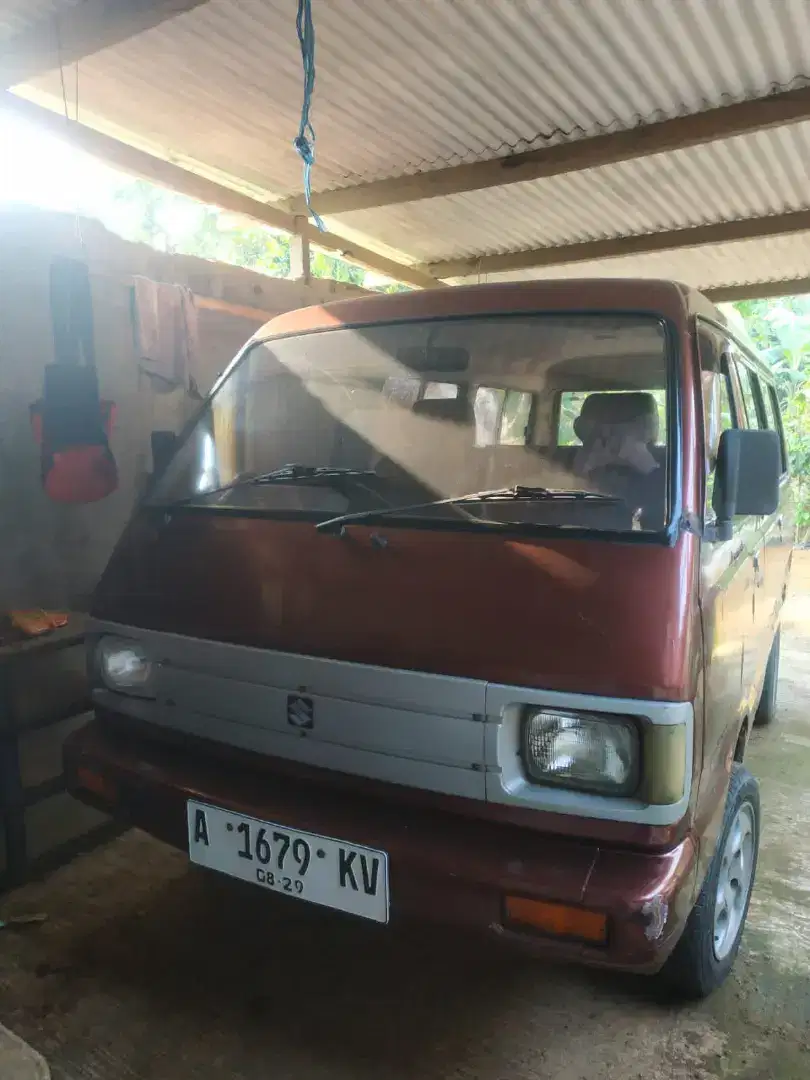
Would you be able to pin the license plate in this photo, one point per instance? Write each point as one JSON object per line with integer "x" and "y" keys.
{"x": 324, "y": 871}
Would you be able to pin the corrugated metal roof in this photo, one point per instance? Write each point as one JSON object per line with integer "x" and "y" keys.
{"x": 749, "y": 176}
{"x": 742, "y": 263}
{"x": 408, "y": 85}
{"x": 404, "y": 85}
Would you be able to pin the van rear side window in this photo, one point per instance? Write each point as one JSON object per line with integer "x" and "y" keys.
{"x": 748, "y": 381}
{"x": 773, "y": 420}
{"x": 501, "y": 416}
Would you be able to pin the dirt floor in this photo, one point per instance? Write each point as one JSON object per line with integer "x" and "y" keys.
{"x": 146, "y": 969}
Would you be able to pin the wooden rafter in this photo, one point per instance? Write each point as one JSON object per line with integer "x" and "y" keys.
{"x": 697, "y": 129}
{"x": 165, "y": 173}
{"x": 722, "y": 232}
{"x": 80, "y": 31}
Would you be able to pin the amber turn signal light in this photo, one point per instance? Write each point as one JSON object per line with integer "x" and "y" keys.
{"x": 559, "y": 920}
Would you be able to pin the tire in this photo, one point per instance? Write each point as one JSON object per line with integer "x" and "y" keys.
{"x": 766, "y": 710}
{"x": 703, "y": 957}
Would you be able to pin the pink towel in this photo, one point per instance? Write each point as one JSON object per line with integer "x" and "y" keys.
{"x": 166, "y": 331}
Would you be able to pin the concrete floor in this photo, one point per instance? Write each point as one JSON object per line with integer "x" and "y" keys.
{"x": 148, "y": 970}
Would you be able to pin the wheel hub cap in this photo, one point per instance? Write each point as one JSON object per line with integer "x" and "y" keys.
{"x": 734, "y": 881}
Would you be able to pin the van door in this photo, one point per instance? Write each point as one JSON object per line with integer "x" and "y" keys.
{"x": 727, "y": 568}
{"x": 759, "y": 534}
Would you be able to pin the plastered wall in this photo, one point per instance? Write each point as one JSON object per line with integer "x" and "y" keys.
{"x": 52, "y": 555}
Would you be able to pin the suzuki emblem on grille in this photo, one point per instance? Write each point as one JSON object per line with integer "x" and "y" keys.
{"x": 300, "y": 711}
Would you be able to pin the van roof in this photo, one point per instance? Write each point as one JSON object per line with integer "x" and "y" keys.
{"x": 667, "y": 298}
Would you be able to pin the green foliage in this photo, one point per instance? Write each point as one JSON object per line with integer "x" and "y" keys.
{"x": 148, "y": 214}
{"x": 329, "y": 266}
{"x": 781, "y": 331}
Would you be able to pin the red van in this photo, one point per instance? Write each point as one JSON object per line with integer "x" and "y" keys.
{"x": 461, "y": 605}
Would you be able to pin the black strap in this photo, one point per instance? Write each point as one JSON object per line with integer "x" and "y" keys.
{"x": 72, "y": 313}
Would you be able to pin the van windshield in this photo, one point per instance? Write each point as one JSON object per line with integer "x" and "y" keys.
{"x": 398, "y": 415}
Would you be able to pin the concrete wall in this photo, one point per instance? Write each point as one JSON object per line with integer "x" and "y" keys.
{"x": 52, "y": 555}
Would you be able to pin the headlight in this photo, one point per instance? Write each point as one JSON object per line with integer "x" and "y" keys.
{"x": 582, "y": 751}
{"x": 124, "y": 665}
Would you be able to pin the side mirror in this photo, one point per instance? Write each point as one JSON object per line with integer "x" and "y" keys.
{"x": 749, "y": 467}
{"x": 163, "y": 444}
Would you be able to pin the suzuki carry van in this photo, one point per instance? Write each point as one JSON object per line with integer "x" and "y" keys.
{"x": 461, "y": 605}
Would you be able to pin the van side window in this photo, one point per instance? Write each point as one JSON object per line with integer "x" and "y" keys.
{"x": 515, "y": 418}
{"x": 773, "y": 420}
{"x": 439, "y": 390}
{"x": 718, "y": 400}
{"x": 724, "y": 422}
{"x": 749, "y": 394}
{"x": 501, "y": 416}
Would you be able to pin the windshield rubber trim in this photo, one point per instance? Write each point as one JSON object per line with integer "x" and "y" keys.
{"x": 668, "y": 534}
{"x": 506, "y": 530}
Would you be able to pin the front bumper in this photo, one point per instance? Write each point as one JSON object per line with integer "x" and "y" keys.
{"x": 443, "y": 866}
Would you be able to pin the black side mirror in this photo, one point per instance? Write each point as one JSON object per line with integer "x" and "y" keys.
{"x": 163, "y": 444}
{"x": 749, "y": 467}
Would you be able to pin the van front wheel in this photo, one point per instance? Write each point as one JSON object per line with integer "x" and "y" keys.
{"x": 766, "y": 710}
{"x": 705, "y": 954}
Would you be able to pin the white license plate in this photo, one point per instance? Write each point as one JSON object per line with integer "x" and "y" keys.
{"x": 301, "y": 864}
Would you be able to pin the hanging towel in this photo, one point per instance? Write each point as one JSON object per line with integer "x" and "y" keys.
{"x": 166, "y": 332}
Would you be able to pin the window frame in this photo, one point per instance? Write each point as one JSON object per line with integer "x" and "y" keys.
{"x": 770, "y": 389}
{"x": 748, "y": 359}
{"x": 673, "y": 359}
{"x": 728, "y": 373}
{"x": 739, "y": 353}
{"x": 742, "y": 371}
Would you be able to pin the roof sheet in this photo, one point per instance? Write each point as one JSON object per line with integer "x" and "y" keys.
{"x": 405, "y": 86}
{"x": 742, "y": 263}
{"x": 749, "y": 176}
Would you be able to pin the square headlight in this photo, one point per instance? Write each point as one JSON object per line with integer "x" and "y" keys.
{"x": 124, "y": 665}
{"x": 581, "y": 751}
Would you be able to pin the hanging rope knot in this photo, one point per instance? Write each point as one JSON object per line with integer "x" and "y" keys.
{"x": 304, "y": 142}
{"x": 305, "y": 148}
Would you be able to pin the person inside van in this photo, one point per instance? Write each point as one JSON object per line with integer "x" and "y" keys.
{"x": 618, "y": 432}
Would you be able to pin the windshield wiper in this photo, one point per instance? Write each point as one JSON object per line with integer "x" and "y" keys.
{"x": 285, "y": 474}
{"x": 518, "y": 493}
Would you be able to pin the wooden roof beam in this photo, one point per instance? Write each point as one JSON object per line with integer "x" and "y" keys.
{"x": 80, "y": 31}
{"x": 697, "y": 129}
{"x": 722, "y": 232}
{"x": 166, "y": 174}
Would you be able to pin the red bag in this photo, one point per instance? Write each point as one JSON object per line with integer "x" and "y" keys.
{"x": 81, "y": 474}
{"x": 70, "y": 422}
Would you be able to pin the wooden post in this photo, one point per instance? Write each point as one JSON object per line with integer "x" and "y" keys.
{"x": 299, "y": 252}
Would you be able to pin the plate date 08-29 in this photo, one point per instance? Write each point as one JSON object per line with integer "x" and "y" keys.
{"x": 321, "y": 869}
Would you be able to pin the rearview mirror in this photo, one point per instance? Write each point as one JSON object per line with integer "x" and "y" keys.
{"x": 749, "y": 466}
{"x": 438, "y": 358}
